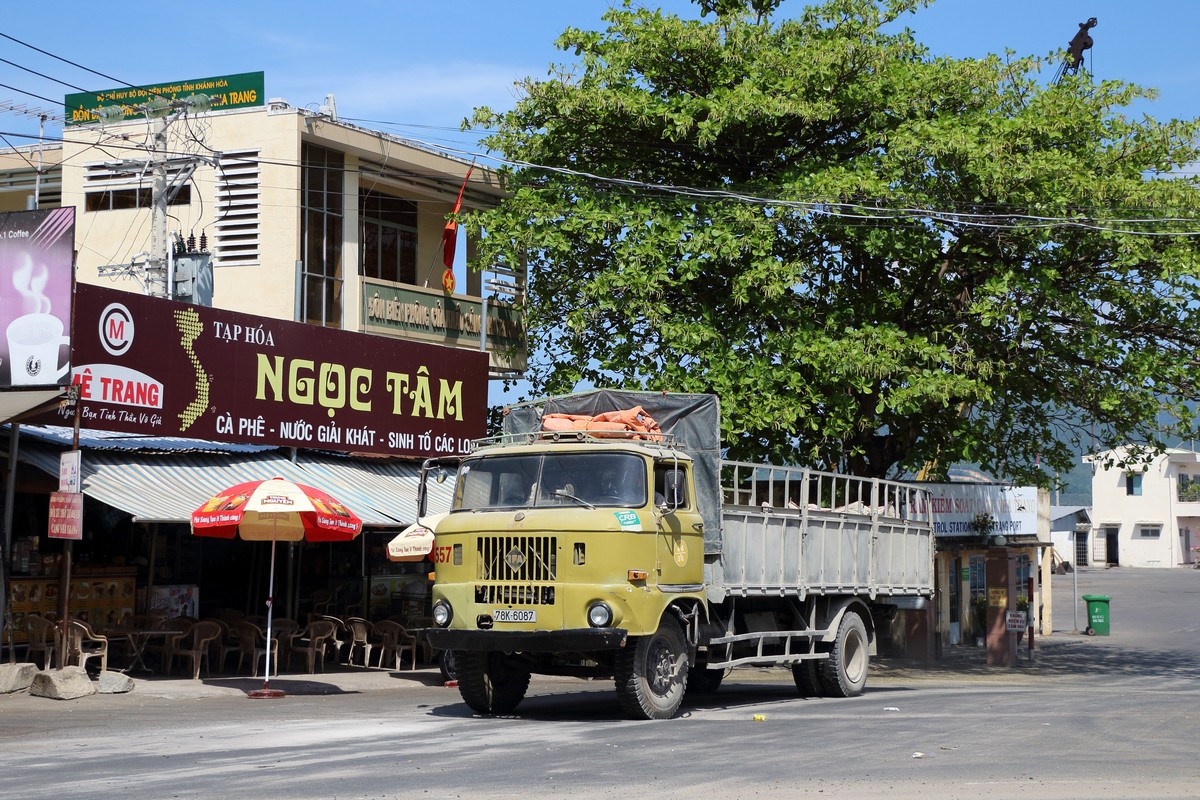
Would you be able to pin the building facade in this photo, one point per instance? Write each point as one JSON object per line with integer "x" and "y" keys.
{"x": 1144, "y": 517}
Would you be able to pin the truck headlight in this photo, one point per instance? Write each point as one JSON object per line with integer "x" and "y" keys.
{"x": 442, "y": 613}
{"x": 599, "y": 615}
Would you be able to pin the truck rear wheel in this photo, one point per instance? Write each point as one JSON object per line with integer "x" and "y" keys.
{"x": 844, "y": 673}
{"x": 491, "y": 683}
{"x": 652, "y": 673}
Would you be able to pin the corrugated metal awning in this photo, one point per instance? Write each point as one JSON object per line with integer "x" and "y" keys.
{"x": 168, "y": 487}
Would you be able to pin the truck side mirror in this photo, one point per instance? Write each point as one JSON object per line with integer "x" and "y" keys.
{"x": 673, "y": 486}
{"x": 430, "y": 467}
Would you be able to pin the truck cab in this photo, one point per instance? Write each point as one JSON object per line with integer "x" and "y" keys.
{"x": 558, "y": 549}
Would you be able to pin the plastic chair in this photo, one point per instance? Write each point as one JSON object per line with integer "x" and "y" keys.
{"x": 360, "y": 639}
{"x": 42, "y": 637}
{"x": 311, "y": 643}
{"x": 252, "y": 644}
{"x": 223, "y": 645}
{"x": 340, "y": 638}
{"x": 83, "y": 644}
{"x": 196, "y": 644}
{"x": 395, "y": 640}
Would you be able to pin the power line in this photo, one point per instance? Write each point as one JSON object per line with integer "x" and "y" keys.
{"x": 67, "y": 61}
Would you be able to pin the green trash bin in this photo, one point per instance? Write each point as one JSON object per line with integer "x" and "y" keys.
{"x": 1097, "y": 614}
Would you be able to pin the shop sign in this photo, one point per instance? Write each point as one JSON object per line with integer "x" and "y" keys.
{"x": 37, "y": 250}
{"x": 449, "y": 319}
{"x": 955, "y": 507}
{"x": 66, "y": 516}
{"x": 157, "y": 367}
{"x": 68, "y": 471}
{"x": 243, "y": 90}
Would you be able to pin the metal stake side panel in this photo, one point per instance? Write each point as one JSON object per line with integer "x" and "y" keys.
{"x": 792, "y": 532}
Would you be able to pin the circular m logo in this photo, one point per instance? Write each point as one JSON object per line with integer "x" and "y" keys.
{"x": 116, "y": 329}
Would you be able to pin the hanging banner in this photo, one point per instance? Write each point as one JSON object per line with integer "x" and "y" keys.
{"x": 66, "y": 516}
{"x": 162, "y": 368}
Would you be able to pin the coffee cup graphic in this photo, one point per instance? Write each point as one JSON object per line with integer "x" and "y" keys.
{"x": 38, "y": 352}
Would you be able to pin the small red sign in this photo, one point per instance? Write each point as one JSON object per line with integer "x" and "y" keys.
{"x": 66, "y": 516}
{"x": 448, "y": 281}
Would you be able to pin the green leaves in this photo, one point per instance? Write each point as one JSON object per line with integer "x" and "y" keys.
{"x": 879, "y": 260}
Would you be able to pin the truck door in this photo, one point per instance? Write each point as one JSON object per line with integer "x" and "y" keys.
{"x": 679, "y": 554}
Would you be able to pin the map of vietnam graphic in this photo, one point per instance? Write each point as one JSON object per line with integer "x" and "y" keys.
{"x": 190, "y": 328}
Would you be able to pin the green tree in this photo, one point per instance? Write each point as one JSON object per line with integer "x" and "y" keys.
{"x": 878, "y": 259}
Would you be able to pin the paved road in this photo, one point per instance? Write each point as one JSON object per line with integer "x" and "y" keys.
{"x": 1103, "y": 717}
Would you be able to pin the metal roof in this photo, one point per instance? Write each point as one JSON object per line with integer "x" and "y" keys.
{"x": 169, "y": 486}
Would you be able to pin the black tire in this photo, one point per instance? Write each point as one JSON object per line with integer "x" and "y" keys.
{"x": 1090, "y": 631}
{"x": 844, "y": 673}
{"x": 491, "y": 683}
{"x": 807, "y": 678}
{"x": 447, "y": 663}
{"x": 702, "y": 680}
{"x": 652, "y": 673}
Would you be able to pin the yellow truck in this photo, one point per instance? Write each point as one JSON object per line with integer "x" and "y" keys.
{"x": 652, "y": 561}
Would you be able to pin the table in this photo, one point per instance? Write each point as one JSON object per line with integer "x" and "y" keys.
{"x": 138, "y": 638}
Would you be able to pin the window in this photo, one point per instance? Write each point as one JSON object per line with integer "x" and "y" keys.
{"x": 1189, "y": 489}
{"x": 112, "y": 186}
{"x": 1149, "y": 531}
{"x": 116, "y": 199}
{"x": 552, "y": 480}
{"x": 1133, "y": 484}
{"x": 389, "y": 238}
{"x": 321, "y": 235}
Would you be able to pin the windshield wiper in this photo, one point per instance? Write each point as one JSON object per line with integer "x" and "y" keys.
{"x": 579, "y": 500}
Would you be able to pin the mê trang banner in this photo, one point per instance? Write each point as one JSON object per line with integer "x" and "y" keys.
{"x": 162, "y": 368}
{"x": 37, "y": 252}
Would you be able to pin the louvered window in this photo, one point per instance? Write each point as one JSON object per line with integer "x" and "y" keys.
{"x": 237, "y": 226}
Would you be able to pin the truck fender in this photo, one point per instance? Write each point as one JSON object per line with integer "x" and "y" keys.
{"x": 837, "y": 608}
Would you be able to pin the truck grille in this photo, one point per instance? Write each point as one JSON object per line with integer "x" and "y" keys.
{"x": 516, "y": 564}
{"x": 514, "y": 594}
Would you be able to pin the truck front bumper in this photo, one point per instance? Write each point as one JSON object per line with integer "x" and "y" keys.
{"x": 575, "y": 640}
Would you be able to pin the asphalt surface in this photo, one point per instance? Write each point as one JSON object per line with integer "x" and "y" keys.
{"x": 1086, "y": 717}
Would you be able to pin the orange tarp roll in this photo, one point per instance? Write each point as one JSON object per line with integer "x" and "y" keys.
{"x": 633, "y": 420}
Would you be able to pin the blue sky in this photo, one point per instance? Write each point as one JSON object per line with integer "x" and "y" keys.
{"x": 422, "y": 67}
{"x": 418, "y": 68}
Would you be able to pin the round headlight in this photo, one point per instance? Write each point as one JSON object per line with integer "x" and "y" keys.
{"x": 599, "y": 615}
{"x": 442, "y": 613}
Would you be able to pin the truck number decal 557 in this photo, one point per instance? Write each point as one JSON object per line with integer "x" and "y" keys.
{"x": 441, "y": 555}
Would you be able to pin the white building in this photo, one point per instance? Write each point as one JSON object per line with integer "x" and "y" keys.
{"x": 1144, "y": 517}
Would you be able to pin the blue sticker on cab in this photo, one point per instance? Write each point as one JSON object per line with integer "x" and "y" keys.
{"x": 628, "y": 520}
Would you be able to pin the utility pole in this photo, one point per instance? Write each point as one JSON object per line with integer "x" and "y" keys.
{"x": 157, "y": 269}
{"x": 161, "y": 112}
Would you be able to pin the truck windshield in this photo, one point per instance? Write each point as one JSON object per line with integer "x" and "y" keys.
{"x": 542, "y": 480}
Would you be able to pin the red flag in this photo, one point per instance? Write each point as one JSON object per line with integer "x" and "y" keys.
{"x": 450, "y": 234}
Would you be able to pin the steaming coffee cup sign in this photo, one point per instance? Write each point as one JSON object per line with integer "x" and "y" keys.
{"x": 38, "y": 350}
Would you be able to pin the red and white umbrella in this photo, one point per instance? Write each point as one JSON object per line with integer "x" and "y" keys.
{"x": 275, "y": 510}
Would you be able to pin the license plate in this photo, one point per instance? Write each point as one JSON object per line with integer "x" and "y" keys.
{"x": 514, "y": 615}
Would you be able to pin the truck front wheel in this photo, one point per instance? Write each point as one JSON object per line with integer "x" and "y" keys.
{"x": 651, "y": 675}
{"x": 844, "y": 673}
{"x": 491, "y": 683}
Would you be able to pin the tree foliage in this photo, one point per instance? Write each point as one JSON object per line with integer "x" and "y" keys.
{"x": 877, "y": 258}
